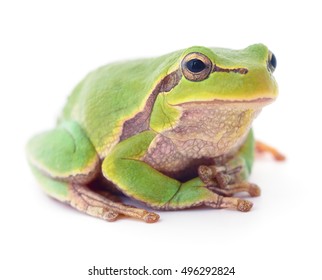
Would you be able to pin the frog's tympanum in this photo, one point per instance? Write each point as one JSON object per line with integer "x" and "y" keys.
{"x": 171, "y": 132}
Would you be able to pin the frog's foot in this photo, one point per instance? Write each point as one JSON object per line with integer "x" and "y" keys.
{"x": 221, "y": 181}
{"x": 219, "y": 176}
{"x": 94, "y": 204}
{"x": 264, "y": 148}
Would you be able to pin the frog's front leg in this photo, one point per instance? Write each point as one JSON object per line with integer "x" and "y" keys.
{"x": 228, "y": 177}
{"x": 221, "y": 181}
{"x": 137, "y": 179}
{"x": 64, "y": 162}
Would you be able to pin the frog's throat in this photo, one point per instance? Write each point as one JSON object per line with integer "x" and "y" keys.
{"x": 205, "y": 130}
{"x": 218, "y": 127}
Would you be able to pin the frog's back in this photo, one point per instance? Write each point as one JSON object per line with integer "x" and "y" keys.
{"x": 112, "y": 94}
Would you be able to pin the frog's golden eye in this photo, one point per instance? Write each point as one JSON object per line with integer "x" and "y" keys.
{"x": 271, "y": 63}
{"x": 196, "y": 66}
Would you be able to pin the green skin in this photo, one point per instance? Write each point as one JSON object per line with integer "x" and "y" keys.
{"x": 100, "y": 139}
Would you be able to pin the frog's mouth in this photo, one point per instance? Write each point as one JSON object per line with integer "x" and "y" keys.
{"x": 252, "y": 103}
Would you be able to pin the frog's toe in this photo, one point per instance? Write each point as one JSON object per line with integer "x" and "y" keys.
{"x": 244, "y": 205}
{"x": 214, "y": 175}
{"x": 110, "y": 216}
{"x": 205, "y": 174}
{"x": 261, "y": 147}
{"x": 254, "y": 190}
{"x": 151, "y": 217}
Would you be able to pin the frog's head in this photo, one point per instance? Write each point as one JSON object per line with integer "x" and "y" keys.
{"x": 214, "y": 94}
{"x": 225, "y": 75}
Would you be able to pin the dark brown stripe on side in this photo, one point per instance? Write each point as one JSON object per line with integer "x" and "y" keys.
{"x": 141, "y": 120}
{"x": 227, "y": 70}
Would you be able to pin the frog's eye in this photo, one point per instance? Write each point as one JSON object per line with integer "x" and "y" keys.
{"x": 196, "y": 66}
{"x": 271, "y": 63}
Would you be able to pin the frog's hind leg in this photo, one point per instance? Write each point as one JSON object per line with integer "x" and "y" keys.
{"x": 261, "y": 147}
{"x": 126, "y": 169}
{"x": 65, "y": 162}
{"x": 90, "y": 202}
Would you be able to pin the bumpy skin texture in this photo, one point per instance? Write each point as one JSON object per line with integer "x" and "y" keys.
{"x": 169, "y": 139}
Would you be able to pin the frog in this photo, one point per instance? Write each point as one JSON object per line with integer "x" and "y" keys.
{"x": 167, "y": 133}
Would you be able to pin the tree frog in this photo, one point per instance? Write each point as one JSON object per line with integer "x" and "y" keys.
{"x": 172, "y": 132}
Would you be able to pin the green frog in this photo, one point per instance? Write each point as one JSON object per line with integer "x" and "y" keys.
{"x": 172, "y": 132}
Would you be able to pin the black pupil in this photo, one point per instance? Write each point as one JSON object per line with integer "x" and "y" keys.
{"x": 273, "y": 61}
{"x": 195, "y": 65}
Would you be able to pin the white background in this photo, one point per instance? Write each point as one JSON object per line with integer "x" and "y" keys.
{"x": 47, "y": 47}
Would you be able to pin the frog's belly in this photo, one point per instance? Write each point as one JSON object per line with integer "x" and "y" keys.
{"x": 203, "y": 133}
{"x": 179, "y": 159}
